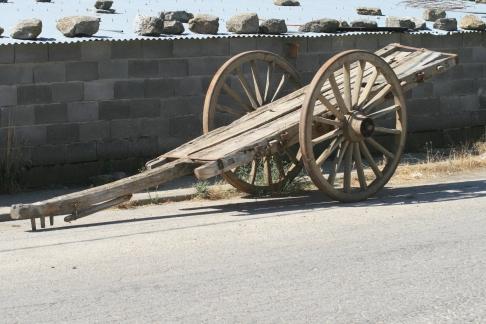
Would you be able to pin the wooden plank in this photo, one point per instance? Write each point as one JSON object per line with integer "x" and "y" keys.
{"x": 79, "y": 201}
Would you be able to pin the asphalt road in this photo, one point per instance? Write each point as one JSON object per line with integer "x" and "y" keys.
{"x": 412, "y": 255}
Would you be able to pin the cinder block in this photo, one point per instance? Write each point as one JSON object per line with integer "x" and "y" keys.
{"x": 129, "y": 89}
{"x": 186, "y": 127}
{"x": 167, "y": 144}
{"x": 369, "y": 43}
{"x": 424, "y": 90}
{"x": 343, "y": 42}
{"x": 472, "y": 39}
{"x": 189, "y": 86}
{"x": 240, "y": 45}
{"x": 196, "y": 47}
{"x": 62, "y": 133}
{"x": 386, "y": 39}
{"x": 453, "y": 104}
{"x": 48, "y": 155}
{"x": 81, "y": 71}
{"x": 140, "y": 108}
{"x": 458, "y": 87}
{"x": 114, "y": 109}
{"x": 8, "y": 96}
{"x": 7, "y": 54}
{"x": 17, "y": 116}
{"x": 308, "y": 63}
{"x": 64, "y": 52}
{"x": 274, "y": 45}
{"x": 114, "y": 69}
{"x": 31, "y": 53}
{"x": 82, "y": 111}
{"x": 479, "y": 54}
{"x": 124, "y": 128}
{"x": 157, "y": 127}
{"x": 30, "y": 135}
{"x": 126, "y": 49}
{"x": 67, "y": 92}
{"x": 320, "y": 44}
{"x": 205, "y": 65}
{"x": 159, "y": 88}
{"x": 99, "y": 90}
{"x": 16, "y": 74}
{"x": 95, "y": 131}
{"x": 157, "y": 48}
{"x": 144, "y": 147}
{"x": 81, "y": 152}
{"x": 143, "y": 68}
{"x": 95, "y": 51}
{"x": 33, "y": 94}
{"x": 473, "y": 70}
{"x": 182, "y": 106}
{"x": 301, "y": 42}
{"x": 114, "y": 149}
{"x": 50, "y": 72}
{"x": 426, "y": 106}
{"x": 173, "y": 68}
{"x": 50, "y": 113}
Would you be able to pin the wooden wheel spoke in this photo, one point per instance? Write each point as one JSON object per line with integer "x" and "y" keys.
{"x": 347, "y": 87}
{"x": 357, "y": 82}
{"x": 337, "y": 94}
{"x": 327, "y": 152}
{"x": 387, "y": 130}
{"x": 384, "y": 111}
{"x": 270, "y": 69}
{"x": 267, "y": 170}
{"x": 326, "y": 121}
{"x": 256, "y": 82}
{"x": 348, "y": 167}
{"x": 330, "y": 107}
{"x": 280, "y": 167}
{"x": 378, "y": 98}
{"x": 370, "y": 160}
{"x": 280, "y": 86}
{"x": 233, "y": 94}
{"x": 229, "y": 110}
{"x": 246, "y": 87}
{"x": 359, "y": 167}
{"x": 370, "y": 82}
{"x": 334, "y": 133}
{"x": 379, "y": 147}
{"x": 337, "y": 163}
{"x": 253, "y": 172}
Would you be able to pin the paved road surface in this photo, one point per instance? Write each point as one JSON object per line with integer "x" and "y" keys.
{"x": 412, "y": 255}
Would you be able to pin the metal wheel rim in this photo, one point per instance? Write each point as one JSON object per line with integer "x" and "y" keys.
{"x": 343, "y": 115}
{"x": 211, "y": 101}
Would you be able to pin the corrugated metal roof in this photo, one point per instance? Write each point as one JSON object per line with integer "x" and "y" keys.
{"x": 119, "y": 26}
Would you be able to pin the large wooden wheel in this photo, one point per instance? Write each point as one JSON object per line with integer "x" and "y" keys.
{"x": 353, "y": 126}
{"x": 243, "y": 84}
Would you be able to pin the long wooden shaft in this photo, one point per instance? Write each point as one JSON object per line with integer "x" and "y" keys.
{"x": 79, "y": 201}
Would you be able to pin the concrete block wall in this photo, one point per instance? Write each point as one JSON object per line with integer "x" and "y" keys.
{"x": 69, "y": 111}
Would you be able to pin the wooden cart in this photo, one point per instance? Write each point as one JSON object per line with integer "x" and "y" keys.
{"x": 347, "y": 128}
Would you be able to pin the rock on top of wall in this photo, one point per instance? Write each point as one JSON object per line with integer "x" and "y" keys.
{"x": 246, "y": 23}
{"x": 472, "y": 22}
{"x": 78, "y": 26}
{"x": 103, "y": 4}
{"x": 173, "y": 27}
{"x": 368, "y": 11}
{"x": 181, "y": 15}
{"x": 148, "y": 26}
{"x": 27, "y": 29}
{"x": 273, "y": 26}
{"x": 291, "y": 3}
{"x": 204, "y": 24}
{"x": 433, "y": 14}
{"x": 1, "y": 31}
{"x": 364, "y": 23}
{"x": 447, "y": 24}
{"x": 320, "y": 26}
{"x": 403, "y": 22}
{"x": 420, "y": 24}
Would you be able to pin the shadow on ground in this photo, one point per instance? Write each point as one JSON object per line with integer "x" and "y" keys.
{"x": 313, "y": 200}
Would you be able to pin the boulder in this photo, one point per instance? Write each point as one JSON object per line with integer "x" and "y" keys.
{"x": 403, "y": 22}
{"x": 472, "y": 22}
{"x": 320, "y": 26}
{"x": 204, "y": 24}
{"x": 364, "y": 23}
{"x": 448, "y": 24}
{"x": 368, "y": 11}
{"x": 246, "y": 23}
{"x": 27, "y": 29}
{"x": 1, "y": 31}
{"x": 182, "y": 16}
{"x": 343, "y": 23}
{"x": 420, "y": 24}
{"x": 78, "y": 26}
{"x": 433, "y": 14}
{"x": 103, "y": 4}
{"x": 273, "y": 26}
{"x": 148, "y": 26}
{"x": 173, "y": 27}
{"x": 292, "y": 3}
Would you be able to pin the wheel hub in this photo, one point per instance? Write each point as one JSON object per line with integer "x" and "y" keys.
{"x": 359, "y": 127}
